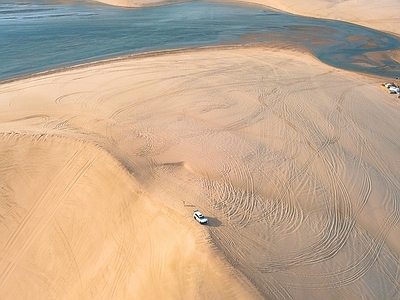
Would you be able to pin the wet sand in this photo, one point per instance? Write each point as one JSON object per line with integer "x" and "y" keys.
{"x": 295, "y": 163}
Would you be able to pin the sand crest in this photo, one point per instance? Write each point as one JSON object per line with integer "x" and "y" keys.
{"x": 75, "y": 225}
{"x": 295, "y": 163}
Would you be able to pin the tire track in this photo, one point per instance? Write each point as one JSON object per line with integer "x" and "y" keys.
{"x": 45, "y": 200}
{"x": 123, "y": 264}
{"x": 364, "y": 263}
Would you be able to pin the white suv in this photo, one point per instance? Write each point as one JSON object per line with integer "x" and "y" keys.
{"x": 198, "y": 216}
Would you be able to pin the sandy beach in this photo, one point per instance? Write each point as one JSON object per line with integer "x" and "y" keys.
{"x": 380, "y": 15}
{"x": 295, "y": 163}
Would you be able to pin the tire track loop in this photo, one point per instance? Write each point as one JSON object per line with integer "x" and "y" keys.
{"x": 373, "y": 249}
{"x": 9, "y": 264}
{"x": 214, "y": 78}
{"x": 390, "y": 260}
{"x": 286, "y": 191}
{"x": 393, "y": 186}
{"x": 131, "y": 104}
{"x": 274, "y": 68}
{"x": 360, "y": 142}
{"x": 234, "y": 250}
{"x": 62, "y": 81}
{"x": 256, "y": 115}
{"x": 290, "y": 213}
{"x": 171, "y": 87}
{"x": 324, "y": 248}
{"x": 364, "y": 262}
{"x": 281, "y": 209}
{"x": 345, "y": 217}
{"x": 335, "y": 120}
{"x": 280, "y": 109}
{"x": 267, "y": 284}
{"x": 37, "y": 119}
{"x": 366, "y": 186}
{"x": 242, "y": 199}
{"x": 243, "y": 202}
{"x": 325, "y": 240}
{"x": 76, "y": 96}
{"x": 246, "y": 202}
{"x": 368, "y": 150}
{"x": 365, "y": 193}
{"x": 148, "y": 146}
{"x": 134, "y": 105}
{"x": 20, "y": 88}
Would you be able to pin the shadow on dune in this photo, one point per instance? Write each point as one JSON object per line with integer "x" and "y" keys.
{"x": 213, "y": 222}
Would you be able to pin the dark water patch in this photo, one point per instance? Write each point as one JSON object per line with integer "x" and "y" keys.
{"x": 21, "y": 11}
{"x": 38, "y": 37}
{"x": 319, "y": 30}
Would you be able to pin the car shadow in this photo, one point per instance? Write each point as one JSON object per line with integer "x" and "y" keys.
{"x": 213, "y": 222}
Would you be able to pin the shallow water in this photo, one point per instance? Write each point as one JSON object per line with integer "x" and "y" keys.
{"x": 38, "y": 37}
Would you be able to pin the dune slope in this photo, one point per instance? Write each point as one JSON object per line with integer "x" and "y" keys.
{"x": 75, "y": 225}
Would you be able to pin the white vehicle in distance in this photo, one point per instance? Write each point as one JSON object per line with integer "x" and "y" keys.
{"x": 198, "y": 216}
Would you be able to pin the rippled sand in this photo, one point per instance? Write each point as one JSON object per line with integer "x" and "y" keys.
{"x": 295, "y": 163}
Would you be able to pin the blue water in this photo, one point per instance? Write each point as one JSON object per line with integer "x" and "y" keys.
{"x": 37, "y": 37}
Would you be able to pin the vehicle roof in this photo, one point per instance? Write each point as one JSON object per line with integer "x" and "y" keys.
{"x": 197, "y": 212}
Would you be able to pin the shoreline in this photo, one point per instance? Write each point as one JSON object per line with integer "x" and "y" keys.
{"x": 111, "y": 60}
{"x": 157, "y": 53}
{"x": 240, "y": 42}
{"x": 274, "y": 45}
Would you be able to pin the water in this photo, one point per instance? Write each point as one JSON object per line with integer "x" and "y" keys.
{"x": 37, "y": 37}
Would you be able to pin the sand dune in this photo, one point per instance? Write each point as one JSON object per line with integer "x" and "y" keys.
{"x": 295, "y": 163}
{"x": 382, "y": 15}
{"x": 75, "y": 225}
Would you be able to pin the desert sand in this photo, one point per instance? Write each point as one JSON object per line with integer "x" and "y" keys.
{"x": 295, "y": 163}
{"x": 382, "y": 15}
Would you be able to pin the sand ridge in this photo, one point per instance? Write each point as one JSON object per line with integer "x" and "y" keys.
{"x": 76, "y": 225}
{"x": 294, "y": 162}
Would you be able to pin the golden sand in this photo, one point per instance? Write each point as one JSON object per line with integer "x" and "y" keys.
{"x": 295, "y": 163}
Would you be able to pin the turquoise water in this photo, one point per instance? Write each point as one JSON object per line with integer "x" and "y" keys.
{"x": 36, "y": 37}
